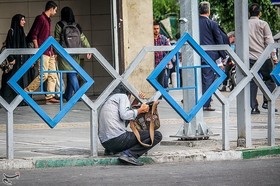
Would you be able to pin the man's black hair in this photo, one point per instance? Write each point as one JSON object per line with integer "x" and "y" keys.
{"x": 204, "y": 7}
{"x": 120, "y": 89}
{"x": 254, "y": 9}
{"x": 156, "y": 23}
{"x": 50, "y": 4}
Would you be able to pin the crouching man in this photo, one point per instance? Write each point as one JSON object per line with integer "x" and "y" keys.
{"x": 114, "y": 116}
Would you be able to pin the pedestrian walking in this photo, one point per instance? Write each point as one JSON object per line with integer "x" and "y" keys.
{"x": 210, "y": 34}
{"x": 78, "y": 40}
{"x": 16, "y": 38}
{"x": 259, "y": 37}
{"x": 39, "y": 32}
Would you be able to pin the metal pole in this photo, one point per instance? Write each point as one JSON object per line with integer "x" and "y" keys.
{"x": 115, "y": 34}
{"x": 189, "y": 23}
{"x": 93, "y": 132}
{"x": 242, "y": 50}
{"x": 10, "y": 135}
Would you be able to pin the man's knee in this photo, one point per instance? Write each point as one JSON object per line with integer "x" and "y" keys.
{"x": 158, "y": 136}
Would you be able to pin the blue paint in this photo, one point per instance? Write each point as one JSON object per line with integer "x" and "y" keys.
{"x": 88, "y": 81}
{"x": 199, "y": 103}
{"x": 275, "y": 74}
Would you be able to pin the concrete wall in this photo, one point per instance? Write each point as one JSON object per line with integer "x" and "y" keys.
{"x": 95, "y": 18}
{"x": 138, "y": 33}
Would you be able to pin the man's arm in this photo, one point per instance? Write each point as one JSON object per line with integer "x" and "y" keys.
{"x": 38, "y": 25}
{"x": 268, "y": 38}
{"x": 218, "y": 38}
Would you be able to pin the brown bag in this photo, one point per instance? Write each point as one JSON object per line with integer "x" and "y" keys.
{"x": 146, "y": 121}
{"x": 5, "y": 66}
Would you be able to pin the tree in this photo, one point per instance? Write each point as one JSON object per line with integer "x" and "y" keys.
{"x": 164, "y": 8}
{"x": 222, "y": 9}
{"x": 167, "y": 9}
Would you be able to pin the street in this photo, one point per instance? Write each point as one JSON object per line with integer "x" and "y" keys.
{"x": 265, "y": 171}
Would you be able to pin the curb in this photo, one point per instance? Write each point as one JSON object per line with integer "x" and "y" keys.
{"x": 16, "y": 164}
{"x": 254, "y": 153}
{"x": 72, "y": 162}
{"x": 178, "y": 156}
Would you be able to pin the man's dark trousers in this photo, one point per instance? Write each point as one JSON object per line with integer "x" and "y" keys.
{"x": 264, "y": 72}
{"x": 208, "y": 77}
{"x": 128, "y": 141}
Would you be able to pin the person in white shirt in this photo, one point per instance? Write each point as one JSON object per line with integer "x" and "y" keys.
{"x": 259, "y": 37}
{"x": 114, "y": 117}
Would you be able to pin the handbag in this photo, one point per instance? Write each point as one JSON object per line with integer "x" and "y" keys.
{"x": 146, "y": 121}
{"x": 6, "y": 66}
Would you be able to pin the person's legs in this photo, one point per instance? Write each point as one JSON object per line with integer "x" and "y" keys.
{"x": 227, "y": 70}
{"x": 181, "y": 78}
{"x": 121, "y": 143}
{"x": 166, "y": 77}
{"x": 208, "y": 78}
{"x": 253, "y": 93}
{"x": 7, "y": 93}
{"x": 161, "y": 77}
{"x": 67, "y": 89}
{"x": 52, "y": 77}
{"x": 72, "y": 85}
{"x": 75, "y": 84}
{"x": 271, "y": 86}
{"x": 265, "y": 70}
{"x": 128, "y": 141}
{"x": 36, "y": 82}
{"x": 138, "y": 150}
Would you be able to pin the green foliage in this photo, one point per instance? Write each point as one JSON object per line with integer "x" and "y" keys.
{"x": 223, "y": 9}
{"x": 164, "y": 8}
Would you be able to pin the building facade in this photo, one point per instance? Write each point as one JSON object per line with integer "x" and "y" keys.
{"x": 118, "y": 29}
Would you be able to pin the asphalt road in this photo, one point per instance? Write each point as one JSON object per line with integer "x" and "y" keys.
{"x": 243, "y": 172}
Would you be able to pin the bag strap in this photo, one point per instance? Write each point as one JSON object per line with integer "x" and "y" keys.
{"x": 151, "y": 129}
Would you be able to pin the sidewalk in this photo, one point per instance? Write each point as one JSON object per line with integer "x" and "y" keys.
{"x": 68, "y": 144}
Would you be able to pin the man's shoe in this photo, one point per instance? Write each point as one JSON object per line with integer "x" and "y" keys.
{"x": 52, "y": 101}
{"x": 265, "y": 106}
{"x": 255, "y": 111}
{"x": 208, "y": 109}
{"x": 130, "y": 160}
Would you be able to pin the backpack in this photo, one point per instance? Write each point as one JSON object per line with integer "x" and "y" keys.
{"x": 70, "y": 36}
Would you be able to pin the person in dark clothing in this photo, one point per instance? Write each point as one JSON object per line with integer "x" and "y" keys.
{"x": 16, "y": 38}
{"x": 229, "y": 64}
{"x": 210, "y": 34}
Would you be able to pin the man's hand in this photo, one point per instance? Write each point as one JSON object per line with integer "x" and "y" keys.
{"x": 89, "y": 56}
{"x": 274, "y": 58}
{"x": 143, "y": 109}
